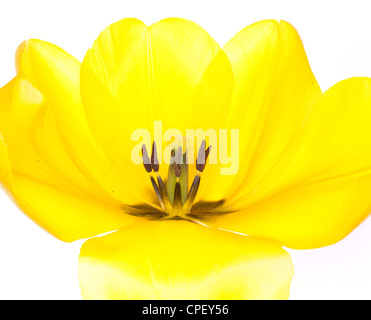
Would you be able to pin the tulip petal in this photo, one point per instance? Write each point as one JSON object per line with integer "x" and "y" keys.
{"x": 182, "y": 260}
{"x": 5, "y": 167}
{"x": 274, "y": 91}
{"x": 43, "y": 180}
{"x": 56, "y": 77}
{"x": 319, "y": 190}
{"x": 32, "y": 139}
{"x": 67, "y": 216}
{"x": 172, "y": 71}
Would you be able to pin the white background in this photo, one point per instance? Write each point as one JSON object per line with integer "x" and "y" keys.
{"x": 337, "y": 38}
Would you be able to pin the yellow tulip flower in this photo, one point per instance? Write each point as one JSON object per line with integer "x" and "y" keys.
{"x": 185, "y": 231}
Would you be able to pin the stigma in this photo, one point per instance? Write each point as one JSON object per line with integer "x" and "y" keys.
{"x": 174, "y": 195}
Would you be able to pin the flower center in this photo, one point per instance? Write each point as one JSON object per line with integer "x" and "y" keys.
{"x": 175, "y": 198}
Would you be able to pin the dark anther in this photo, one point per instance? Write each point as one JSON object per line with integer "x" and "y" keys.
{"x": 172, "y": 160}
{"x": 154, "y": 159}
{"x": 178, "y": 162}
{"x": 202, "y": 156}
{"x": 146, "y": 161}
{"x": 207, "y": 152}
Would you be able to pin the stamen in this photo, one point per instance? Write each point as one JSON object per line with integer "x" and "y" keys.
{"x": 160, "y": 189}
{"x": 192, "y": 194}
{"x": 174, "y": 198}
{"x": 163, "y": 193}
{"x": 146, "y": 161}
{"x": 202, "y": 156}
{"x": 183, "y": 179}
{"x": 207, "y": 152}
{"x": 158, "y": 194}
{"x": 177, "y": 197}
{"x": 177, "y": 163}
{"x": 154, "y": 159}
{"x": 171, "y": 179}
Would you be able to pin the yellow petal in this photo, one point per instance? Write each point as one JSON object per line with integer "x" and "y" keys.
{"x": 172, "y": 71}
{"x": 274, "y": 90}
{"x": 182, "y": 260}
{"x": 66, "y": 215}
{"x": 56, "y": 76}
{"x": 45, "y": 182}
{"x": 37, "y": 60}
{"x": 319, "y": 190}
{"x": 5, "y": 167}
{"x": 35, "y": 146}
